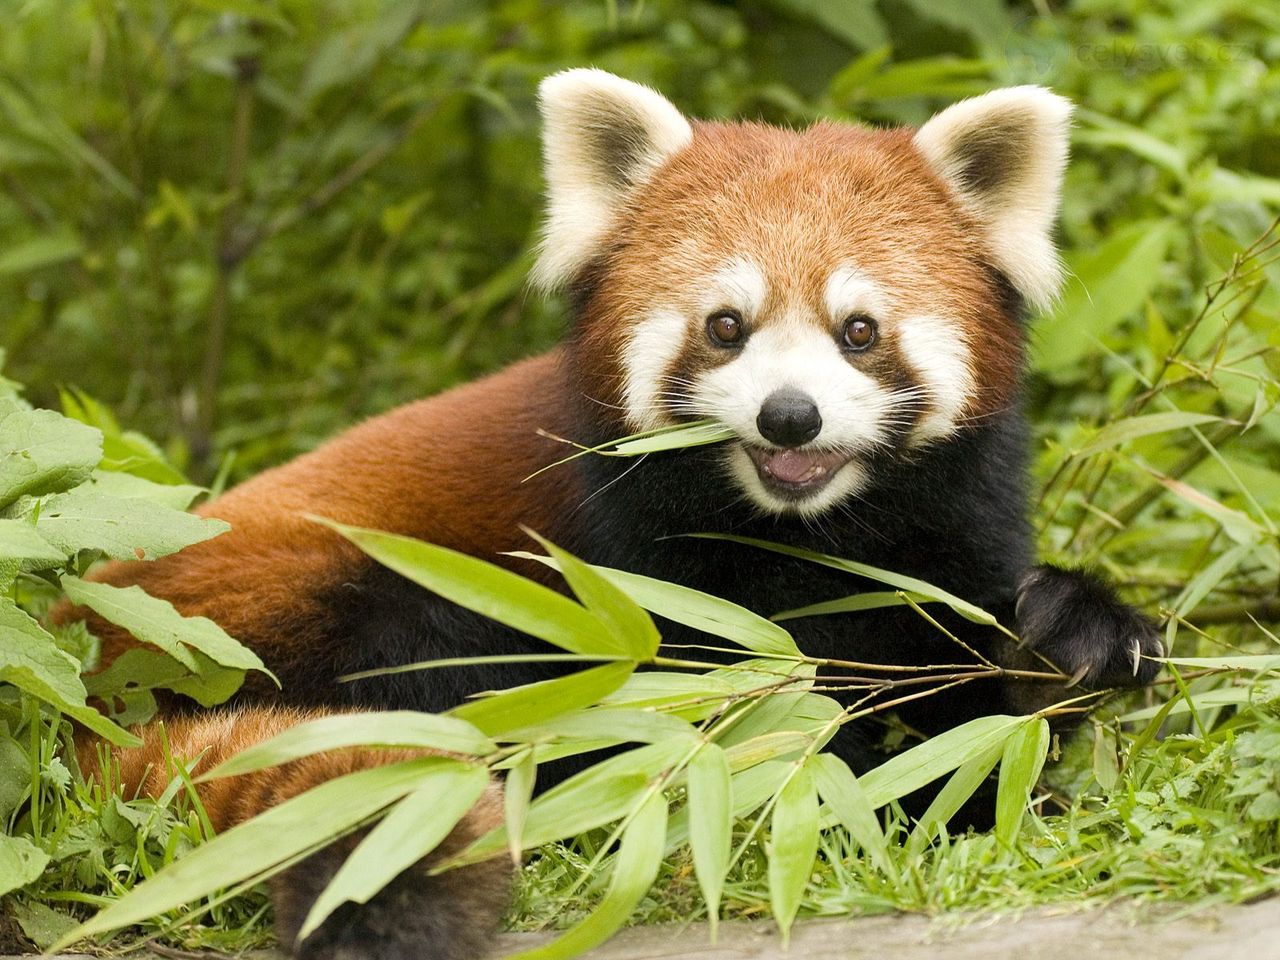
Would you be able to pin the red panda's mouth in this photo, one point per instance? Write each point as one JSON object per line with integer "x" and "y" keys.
{"x": 796, "y": 472}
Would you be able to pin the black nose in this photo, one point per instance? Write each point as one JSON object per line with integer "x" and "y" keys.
{"x": 789, "y": 418}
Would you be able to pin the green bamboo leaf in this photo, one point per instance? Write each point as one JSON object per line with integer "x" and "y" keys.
{"x": 601, "y": 794}
{"x": 486, "y": 589}
{"x": 696, "y": 609}
{"x": 1131, "y": 428}
{"x": 393, "y": 728}
{"x": 672, "y": 437}
{"x": 634, "y": 870}
{"x": 534, "y": 703}
{"x": 793, "y": 848}
{"x": 156, "y": 621}
{"x": 627, "y": 625}
{"x": 1020, "y": 766}
{"x": 249, "y": 849}
{"x": 962, "y": 785}
{"x": 910, "y": 584}
{"x": 414, "y": 827}
{"x": 710, "y": 817}
{"x": 517, "y": 793}
{"x": 609, "y": 724}
{"x": 843, "y": 794}
{"x": 871, "y": 600}
{"x": 912, "y": 769}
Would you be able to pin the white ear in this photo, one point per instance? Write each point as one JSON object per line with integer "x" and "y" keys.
{"x": 602, "y": 137}
{"x": 1003, "y": 154}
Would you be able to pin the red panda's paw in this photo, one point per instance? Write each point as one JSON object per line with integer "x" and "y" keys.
{"x": 452, "y": 916}
{"x": 1075, "y": 620}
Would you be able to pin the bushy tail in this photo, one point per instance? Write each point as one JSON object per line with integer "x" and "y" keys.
{"x": 451, "y": 916}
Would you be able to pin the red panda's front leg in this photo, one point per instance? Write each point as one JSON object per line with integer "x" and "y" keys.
{"x": 451, "y": 916}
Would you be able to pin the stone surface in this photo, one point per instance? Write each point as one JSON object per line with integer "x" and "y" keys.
{"x": 1116, "y": 933}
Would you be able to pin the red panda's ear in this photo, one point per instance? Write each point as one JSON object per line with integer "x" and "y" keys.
{"x": 1003, "y": 155}
{"x": 602, "y": 137}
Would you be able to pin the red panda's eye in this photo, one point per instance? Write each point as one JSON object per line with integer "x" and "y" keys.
{"x": 725, "y": 327}
{"x": 859, "y": 332}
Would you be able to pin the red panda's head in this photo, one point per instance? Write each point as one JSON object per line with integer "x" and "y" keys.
{"x": 830, "y": 294}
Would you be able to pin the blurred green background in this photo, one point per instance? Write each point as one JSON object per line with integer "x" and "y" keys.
{"x": 244, "y": 224}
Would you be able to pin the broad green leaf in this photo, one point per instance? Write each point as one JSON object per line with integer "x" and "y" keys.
{"x": 912, "y": 769}
{"x": 175, "y": 496}
{"x": 249, "y": 849}
{"x": 962, "y": 785}
{"x": 140, "y": 669}
{"x": 793, "y": 847}
{"x": 43, "y": 452}
{"x": 21, "y": 862}
{"x": 910, "y": 584}
{"x": 122, "y": 528}
{"x": 871, "y": 600}
{"x": 32, "y": 662}
{"x": 536, "y": 702}
{"x": 392, "y": 728}
{"x": 123, "y": 451}
{"x": 486, "y": 589}
{"x": 1131, "y": 428}
{"x": 1106, "y": 284}
{"x": 414, "y": 827}
{"x": 710, "y": 817}
{"x": 696, "y": 609}
{"x": 628, "y": 627}
{"x": 843, "y": 794}
{"x": 155, "y": 621}
{"x": 19, "y": 540}
{"x": 634, "y": 870}
{"x": 1020, "y": 766}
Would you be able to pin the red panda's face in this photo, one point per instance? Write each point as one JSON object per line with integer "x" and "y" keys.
{"x": 832, "y": 296}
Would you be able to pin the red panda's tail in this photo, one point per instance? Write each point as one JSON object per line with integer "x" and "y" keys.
{"x": 452, "y": 916}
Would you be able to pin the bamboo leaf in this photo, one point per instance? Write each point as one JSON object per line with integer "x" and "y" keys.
{"x": 395, "y": 728}
{"x": 696, "y": 609}
{"x": 414, "y": 827}
{"x": 871, "y": 600}
{"x": 958, "y": 789}
{"x": 517, "y": 793}
{"x": 710, "y": 813}
{"x": 486, "y": 589}
{"x": 793, "y": 848}
{"x": 910, "y": 584}
{"x": 1020, "y": 766}
{"x": 843, "y": 794}
{"x": 1131, "y": 428}
{"x": 534, "y": 703}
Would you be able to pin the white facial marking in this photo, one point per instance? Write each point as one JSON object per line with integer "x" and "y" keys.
{"x": 654, "y": 347}
{"x": 658, "y": 340}
{"x": 937, "y": 350}
{"x": 739, "y": 285}
{"x": 851, "y": 291}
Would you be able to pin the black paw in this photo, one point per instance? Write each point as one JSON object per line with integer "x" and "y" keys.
{"x": 452, "y": 916}
{"x": 1076, "y": 621}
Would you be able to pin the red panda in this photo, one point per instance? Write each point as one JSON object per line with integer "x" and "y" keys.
{"x": 849, "y": 302}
